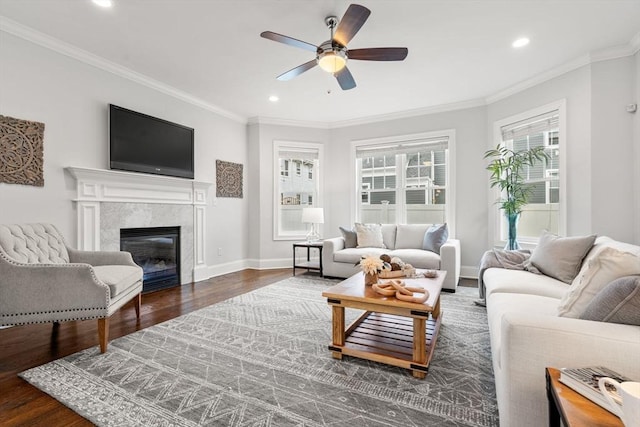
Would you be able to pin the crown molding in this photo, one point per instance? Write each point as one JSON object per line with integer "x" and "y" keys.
{"x": 288, "y": 122}
{"x": 11, "y": 27}
{"x": 616, "y": 52}
{"x": 370, "y": 119}
{"x": 443, "y": 108}
{"x": 635, "y": 44}
{"x": 540, "y": 78}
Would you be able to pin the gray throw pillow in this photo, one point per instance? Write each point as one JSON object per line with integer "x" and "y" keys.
{"x": 435, "y": 237}
{"x": 350, "y": 237}
{"x": 618, "y": 302}
{"x": 560, "y": 257}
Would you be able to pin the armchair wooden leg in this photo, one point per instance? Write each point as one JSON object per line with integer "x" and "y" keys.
{"x": 138, "y": 305}
{"x": 103, "y": 333}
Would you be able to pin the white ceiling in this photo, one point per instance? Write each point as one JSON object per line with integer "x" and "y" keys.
{"x": 459, "y": 50}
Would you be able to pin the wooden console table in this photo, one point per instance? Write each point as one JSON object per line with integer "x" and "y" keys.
{"x": 572, "y": 408}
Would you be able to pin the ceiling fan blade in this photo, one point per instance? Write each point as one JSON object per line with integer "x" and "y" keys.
{"x": 379, "y": 54}
{"x": 298, "y": 70}
{"x": 350, "y": 24}
{"x": 345, "y": 79}
{"x": 288, "y": 40}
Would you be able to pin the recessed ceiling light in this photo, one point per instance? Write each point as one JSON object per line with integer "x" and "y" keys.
{"x": 274, "y": 98}
{"x": 103, "y": 3}
{"x": 523, "y": 41}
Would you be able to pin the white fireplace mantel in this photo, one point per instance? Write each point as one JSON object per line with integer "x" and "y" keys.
{"x": 96, "y": 186}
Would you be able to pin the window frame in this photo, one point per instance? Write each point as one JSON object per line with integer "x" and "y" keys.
{"x": 278, "y": 147}
{"x": 356, "y": 187}
{"x": 495, "y": 216}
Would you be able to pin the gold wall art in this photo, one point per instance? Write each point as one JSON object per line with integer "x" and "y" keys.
{"x": 21, "y": 151}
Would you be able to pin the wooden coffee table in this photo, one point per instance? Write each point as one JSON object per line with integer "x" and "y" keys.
{"x": 391, "y": 331}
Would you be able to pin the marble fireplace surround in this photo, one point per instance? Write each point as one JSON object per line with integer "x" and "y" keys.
{"x": 110, "y": 200}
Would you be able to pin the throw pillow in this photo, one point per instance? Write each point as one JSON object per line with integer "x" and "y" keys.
{"x": 350, "y": 237}
{"x": 435, "y": 237}
{"x": 618, "y": 302}
{"x": 609, "y": 264}
{"x": 560, "y": 257}
{"x": 369, "y": 236}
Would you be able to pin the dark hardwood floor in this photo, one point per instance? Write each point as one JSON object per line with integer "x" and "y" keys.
{"x": 23, "y": 347}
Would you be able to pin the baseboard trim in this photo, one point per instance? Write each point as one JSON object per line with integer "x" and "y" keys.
{"x": 269, "y": 264}
{"x": 468, "y": 272}
{"x": 226, "y": 268}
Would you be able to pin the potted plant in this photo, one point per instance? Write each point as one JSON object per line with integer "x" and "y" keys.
{"x": 507, "y": 167}
{"x": 372, "y": 266}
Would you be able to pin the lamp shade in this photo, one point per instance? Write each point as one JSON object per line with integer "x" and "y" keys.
{"x": 332, "y": 62}
{"x": 313, "y": 215}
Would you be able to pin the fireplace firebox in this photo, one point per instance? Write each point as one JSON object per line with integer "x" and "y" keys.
{"x": 157, "y": 251}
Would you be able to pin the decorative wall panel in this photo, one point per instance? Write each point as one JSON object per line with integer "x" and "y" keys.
{"x": 21, "y": 151}
{"x": 228, "y": 179}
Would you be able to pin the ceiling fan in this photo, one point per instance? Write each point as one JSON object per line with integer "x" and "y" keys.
{"x": 332, "y": 55}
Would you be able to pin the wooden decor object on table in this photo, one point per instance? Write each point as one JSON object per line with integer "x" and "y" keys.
{"x": 370, "y": 279}
{"x": 391, "y": 274}
{"x": 21, "y": 151}
{"x": 391, "y": 331}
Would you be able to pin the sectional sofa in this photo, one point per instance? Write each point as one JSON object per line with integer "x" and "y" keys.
{"x": 538, "y": 321}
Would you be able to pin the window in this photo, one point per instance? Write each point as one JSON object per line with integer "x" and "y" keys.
{"x": 405, "y": 180}
{"x": 295, "y": 191}
{"x": 545, "y": 210}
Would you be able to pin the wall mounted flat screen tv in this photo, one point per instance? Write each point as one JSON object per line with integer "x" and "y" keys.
{"x": 141, "y": 143}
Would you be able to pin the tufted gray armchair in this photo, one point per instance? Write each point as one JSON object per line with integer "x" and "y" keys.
{"x": 43, "y": 280}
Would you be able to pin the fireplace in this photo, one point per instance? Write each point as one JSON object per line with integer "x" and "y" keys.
{"x": 157, "y": 251}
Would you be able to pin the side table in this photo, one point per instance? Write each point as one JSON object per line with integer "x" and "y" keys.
{"x": 308, "y": 264}
{"x": 572, "y": 408}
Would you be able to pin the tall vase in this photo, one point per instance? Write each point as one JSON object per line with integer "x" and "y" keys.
{"x": 512, "y": 242}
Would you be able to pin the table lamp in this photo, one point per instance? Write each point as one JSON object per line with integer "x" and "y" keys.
{"x": 313, "y": 216}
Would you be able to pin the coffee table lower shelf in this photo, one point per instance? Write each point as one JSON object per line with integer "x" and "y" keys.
{"x": 389, "y": 338}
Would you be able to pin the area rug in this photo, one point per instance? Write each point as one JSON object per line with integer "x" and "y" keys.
{"x": 261, "y": 359}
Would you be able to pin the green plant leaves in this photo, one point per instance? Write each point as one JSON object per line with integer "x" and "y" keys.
{"x": 506, "y": 169}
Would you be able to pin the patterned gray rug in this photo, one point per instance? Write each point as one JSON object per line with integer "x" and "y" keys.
{"x": 261, "y": 359}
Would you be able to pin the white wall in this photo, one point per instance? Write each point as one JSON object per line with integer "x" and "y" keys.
{"x": 612, "y": 152}
{"x": 72, "y": 99}
{"x": 265, "y": 251}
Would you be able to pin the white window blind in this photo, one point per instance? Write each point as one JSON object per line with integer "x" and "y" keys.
{"x": 531, "y": 126}
{"x": 411, "y": 147}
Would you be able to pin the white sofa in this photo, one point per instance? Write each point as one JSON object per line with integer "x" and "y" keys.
{"x": 527, "y": 335}
{"x": 403, "y": 241}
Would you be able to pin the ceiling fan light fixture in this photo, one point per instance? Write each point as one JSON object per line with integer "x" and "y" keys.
{"x": 332, "y": 61}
